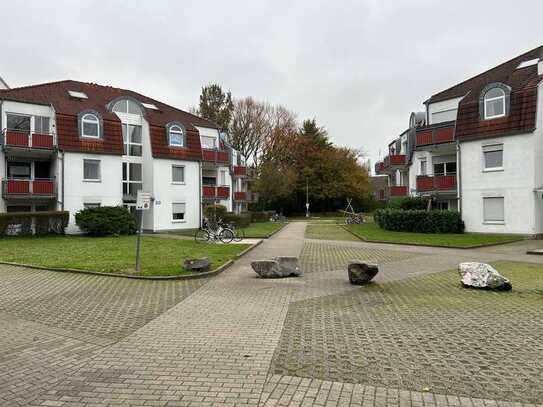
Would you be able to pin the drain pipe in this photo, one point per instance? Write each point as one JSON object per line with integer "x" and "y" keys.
{"x": 459, "y": 177}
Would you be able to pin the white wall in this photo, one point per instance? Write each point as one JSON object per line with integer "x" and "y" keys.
{"x": 538, "y": 153}
{"x": 166, "y": 193}
{"x": 446, "y": 110}
{"x": 107, "y": 192}
{"x": 515, "y": 183}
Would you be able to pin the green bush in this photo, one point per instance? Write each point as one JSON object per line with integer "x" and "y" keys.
{"x": 261, "y": 216}
{"x": 419, "y": 221}
{"x": 240, "y": 221}
{"x": 37, "y": 223}
{"x": 409, "y": 203}
{"x": 214, "y": 211}
{"x": 106, "y": 220}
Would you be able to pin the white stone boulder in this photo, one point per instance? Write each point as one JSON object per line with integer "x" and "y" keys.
{"x": 482, "y": 275}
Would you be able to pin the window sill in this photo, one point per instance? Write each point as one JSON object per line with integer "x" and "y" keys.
{"x": 493, "y": 222}
{"x": 174, "y": 146}
{"x": 179, "y": 183}
{"x": 92, "y": 180}
{"x": 91, "y": 138}
{"x": 496, "y": 169}
{"x": 178, "y": 221}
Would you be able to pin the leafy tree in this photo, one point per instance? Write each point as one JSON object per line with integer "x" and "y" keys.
{"x": 215, "y": 105}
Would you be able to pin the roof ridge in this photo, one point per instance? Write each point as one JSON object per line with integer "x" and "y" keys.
{"x": 37, "y": 85}
{"x": 540, "y": 47}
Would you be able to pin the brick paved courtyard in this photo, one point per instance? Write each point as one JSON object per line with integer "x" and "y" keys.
{"x": 75, "y": 340}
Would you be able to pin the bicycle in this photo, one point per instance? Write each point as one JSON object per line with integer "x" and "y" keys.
{"x": 213, "y": 233}
{"x": 239, "y": 234}
{"x": 354, "y": 219}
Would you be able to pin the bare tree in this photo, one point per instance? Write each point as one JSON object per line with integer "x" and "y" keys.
{"x": 249, "y": 127}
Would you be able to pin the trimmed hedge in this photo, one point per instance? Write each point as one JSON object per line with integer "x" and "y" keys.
{"x": 106, "y": 220}
{"x": 261, "y": 216}
{"x": 33, "y": 223}
{"x": 213, "y": 212}
{"x": 419, "y": 221}
{"x": 240, "y": 221}
{"x": 408, "y": 203}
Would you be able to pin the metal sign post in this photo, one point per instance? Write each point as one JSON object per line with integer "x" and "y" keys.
{"x": 143, "y": 203}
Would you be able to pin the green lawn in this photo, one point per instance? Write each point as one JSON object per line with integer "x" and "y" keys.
{"x": 259, "y": 230}
{"x": 372, "y": 232}
{"x": 160, "y": 256}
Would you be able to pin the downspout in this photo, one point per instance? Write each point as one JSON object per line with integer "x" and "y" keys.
{"x": 200, "y": 193}
{"x": 459, "y": 176}
{"x": 59, "y": 157}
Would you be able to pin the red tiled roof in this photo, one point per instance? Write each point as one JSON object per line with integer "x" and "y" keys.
{"x": 523, "y": 99}
{"x": 67, "y": 109}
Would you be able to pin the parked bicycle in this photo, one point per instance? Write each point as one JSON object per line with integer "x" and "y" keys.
{"x": 213, "y": 233}
{"x": 278, "y": 218}
{"x": 239, "y": 233}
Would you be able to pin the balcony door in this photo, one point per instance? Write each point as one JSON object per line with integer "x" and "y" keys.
{"x": 19, "y": 170}
{"x": 42, "y": 170}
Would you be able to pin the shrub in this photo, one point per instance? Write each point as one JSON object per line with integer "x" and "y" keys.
{"x": 106, "y": 220}
{"x": 240, "y": 221}
{"x": 38, "y": 223}
{"x": 409, "y": 203}
{"x": 419, "y": 221}
{"x": 261, "y": 216}
{"x": 215, "y": 211}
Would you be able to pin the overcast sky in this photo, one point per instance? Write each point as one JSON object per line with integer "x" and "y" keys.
{"x": 358, "y": 67}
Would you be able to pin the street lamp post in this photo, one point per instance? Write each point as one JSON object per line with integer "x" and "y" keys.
{"x": 306, "y": 198}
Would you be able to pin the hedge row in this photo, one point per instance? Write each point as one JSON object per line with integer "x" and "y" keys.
{"x": 33, "y": 223}
{"x": 419, "y": 221}
{"x": 213, "y": 212}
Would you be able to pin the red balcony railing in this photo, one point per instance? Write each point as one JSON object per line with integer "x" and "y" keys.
{"x": 395, "y": 160}
{"x": 21, "y": 188}
{"x": 398, "y": 190}
{"x": 240, "y": 170}
{"x": 379, "y": 167}
{"x": 240, "y": 196}
{"x": 14, "y": 138}
{"x": 435, "y": 134}
{"x": 427, "y": 183}
{"x": 214, "y": 192}
{"x": 221, "y": 156}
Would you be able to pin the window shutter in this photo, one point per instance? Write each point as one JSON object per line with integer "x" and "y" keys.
{"x": 493, "y": 209}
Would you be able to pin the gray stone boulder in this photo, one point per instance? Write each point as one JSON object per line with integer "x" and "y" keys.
{"x": 277, "y": 267}
{"x": 199, "y": 265}
{"x": 290, "y": 266}
{"x": 361, "y": 272}
{"x": 482, "y": 275}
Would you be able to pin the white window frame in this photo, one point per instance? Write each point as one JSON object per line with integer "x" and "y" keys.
{"x": 91, "y": 119}
{"x": 184, "y": 175}
{"x": 215, "y": 146}
{"x": 425, "y": 172}
{"x": 176, "y": 130}
{"x": 486, "y": 100}
{"x": 491, "y": 148}
{"x": 494, "y": 221}
{"x": 40, "y": 120}
{"x": 99, "y": 179}
{"x": 184, "y": 213}
{"x": 128, "y": 142}
{"x": 223, "y": 178}
{"x": 128, "y": 180}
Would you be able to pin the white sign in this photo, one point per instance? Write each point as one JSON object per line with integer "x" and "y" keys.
{"x": 143, "y": 201}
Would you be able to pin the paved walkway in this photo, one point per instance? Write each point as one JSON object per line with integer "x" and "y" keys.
{"x": 217, "y": 345}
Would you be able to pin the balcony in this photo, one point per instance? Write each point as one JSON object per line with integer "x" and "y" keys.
{"x": 215, "y": 156}
{"x": 241, "y": 196}
{"x": 240, "y": 171}
{"x": 438, "y": 183}
{"x": 29, "y": 188}
{"x": 28, "y": 144}
{"x": 215, "y": 192}
{"x": 397, "y": 191}
{"x": 435, "y": 134}
{"x": 379, "y": 168}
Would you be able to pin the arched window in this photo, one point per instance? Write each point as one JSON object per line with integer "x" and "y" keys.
{"x": 90, "y": 126}
{"x": 494, "y": 103}
{"x": 176, "y": 134}
{"x": 127, "y": 106}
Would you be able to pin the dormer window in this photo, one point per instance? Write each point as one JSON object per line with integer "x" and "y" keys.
{"x": 176, "y": 134}
{"x": 90, "y": 126}
{"x": 494, "y": 101}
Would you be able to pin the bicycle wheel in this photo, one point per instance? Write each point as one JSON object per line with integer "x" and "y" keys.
{"x": 226, "y": 236}
{"x": 239, "y": 235}
{"x": 201, "y": 236}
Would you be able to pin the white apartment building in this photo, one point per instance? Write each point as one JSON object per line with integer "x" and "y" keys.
{"x": 478, "y": 148}
{"x": 69, "y": 145}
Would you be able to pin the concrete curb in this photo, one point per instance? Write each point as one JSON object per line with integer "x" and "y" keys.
{"x": 205, "y": 274}
{"x": 426, "y": 245}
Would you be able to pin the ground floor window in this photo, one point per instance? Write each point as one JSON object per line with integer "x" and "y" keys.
{"x": 132, "y": 179}
{"x": 493, "y": 209}
{"x": 442, "y": 205}
{"x": 19, "y": 208}
{"x": 178, "y": 211}
{"x": 91, "y": 205}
